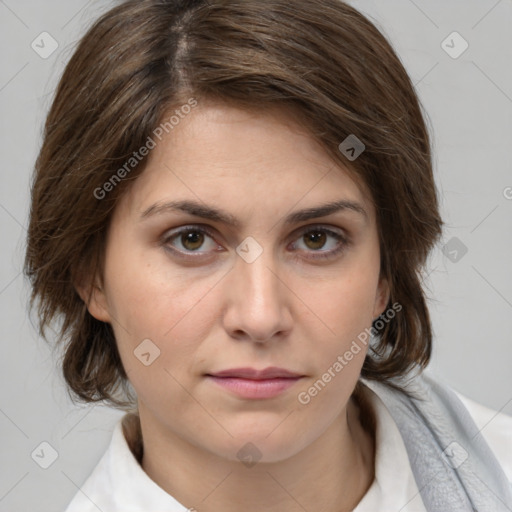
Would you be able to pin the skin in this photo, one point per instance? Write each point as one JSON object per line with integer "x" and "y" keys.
{"x": 215, "y": 311}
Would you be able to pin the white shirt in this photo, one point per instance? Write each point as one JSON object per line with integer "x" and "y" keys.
{"x": 119, "y": 484}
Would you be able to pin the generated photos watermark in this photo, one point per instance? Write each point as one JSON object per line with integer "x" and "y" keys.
{"x": 137, "y": 156}
{"x": 304, "y": 397}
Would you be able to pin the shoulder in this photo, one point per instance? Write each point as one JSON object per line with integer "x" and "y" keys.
{"x": 496, "y": 428}
{"x": 446, "y": 413}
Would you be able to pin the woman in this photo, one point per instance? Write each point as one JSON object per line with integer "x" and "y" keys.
{"x": 231, "y": 210}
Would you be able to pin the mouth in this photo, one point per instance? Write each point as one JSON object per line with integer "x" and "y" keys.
{"x": 255, "y": 384}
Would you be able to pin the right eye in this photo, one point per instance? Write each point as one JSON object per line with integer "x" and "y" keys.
{"x": 187, "y": 240}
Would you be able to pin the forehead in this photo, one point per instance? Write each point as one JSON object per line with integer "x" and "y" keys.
{"x": 231, "y": 157}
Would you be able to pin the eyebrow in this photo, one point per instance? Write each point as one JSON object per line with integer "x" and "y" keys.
{"x": 214, "y": 214}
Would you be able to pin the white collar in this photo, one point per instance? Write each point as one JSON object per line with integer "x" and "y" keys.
{"x": 119, "y": 484}
{"x": 394, "y": 487}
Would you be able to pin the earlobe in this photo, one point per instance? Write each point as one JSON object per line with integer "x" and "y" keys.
{"x": 96, "y": 301}
{"x": 382, "y": 297}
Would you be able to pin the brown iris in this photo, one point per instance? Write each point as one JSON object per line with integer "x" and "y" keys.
{"x": 192, "y": 240}
{"x": 315, "y": 239}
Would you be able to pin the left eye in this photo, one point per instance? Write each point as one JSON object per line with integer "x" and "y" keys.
{"x": 320, "y": 240}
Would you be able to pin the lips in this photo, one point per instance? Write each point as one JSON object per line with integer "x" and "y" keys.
{"x": 253, "y": 384}
{"x": 271, "y": 372}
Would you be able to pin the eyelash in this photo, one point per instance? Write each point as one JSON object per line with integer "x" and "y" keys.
{"x": 318, "y": 255}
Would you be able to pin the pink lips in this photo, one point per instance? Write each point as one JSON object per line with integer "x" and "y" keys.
{"x": 256, "y": 384}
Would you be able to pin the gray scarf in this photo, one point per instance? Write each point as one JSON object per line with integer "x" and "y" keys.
{"x": 453, "y": 466}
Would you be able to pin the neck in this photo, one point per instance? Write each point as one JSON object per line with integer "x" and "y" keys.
{"x": 331, "y": 474}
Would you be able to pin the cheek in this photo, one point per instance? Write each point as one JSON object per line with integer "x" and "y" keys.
{"x": 344, "y": 301}
{"x": 145, "y": 290}
{"x": 149, "y": 301}
{"x": 343, "y": 305}
{"x": 337, "y": 355}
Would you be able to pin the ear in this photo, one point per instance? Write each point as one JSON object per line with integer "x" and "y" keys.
{"x": 381, "y": 297}
{"x": 95, "y": 299}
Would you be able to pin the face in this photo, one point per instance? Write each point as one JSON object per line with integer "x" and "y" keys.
{"x": 223, "y": 255}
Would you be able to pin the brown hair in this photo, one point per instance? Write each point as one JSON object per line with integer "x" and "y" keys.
{"x": 321, "y": 60}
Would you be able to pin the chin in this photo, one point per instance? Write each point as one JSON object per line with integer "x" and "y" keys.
{"x": 255, "y": 445}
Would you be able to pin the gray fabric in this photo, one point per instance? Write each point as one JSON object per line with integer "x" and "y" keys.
{"x": 453, "y": 466}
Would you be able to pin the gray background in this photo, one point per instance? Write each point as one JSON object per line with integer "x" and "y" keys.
{"x": 469, "y": 102}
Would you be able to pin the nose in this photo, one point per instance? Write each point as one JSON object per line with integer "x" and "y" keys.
{"x": 258, "y": 301}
